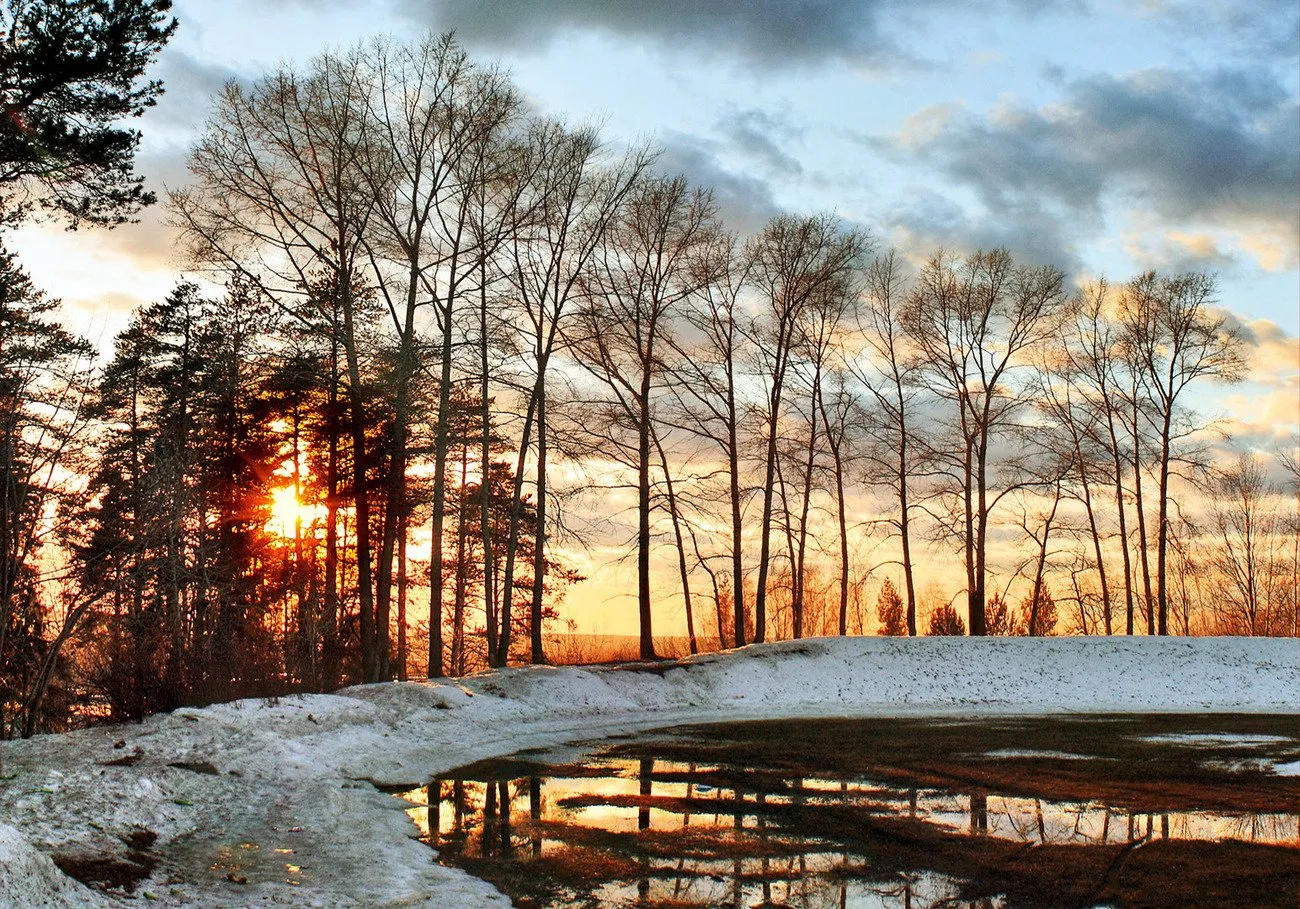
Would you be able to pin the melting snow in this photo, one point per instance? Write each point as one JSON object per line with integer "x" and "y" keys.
{"x": 292, "y": 812}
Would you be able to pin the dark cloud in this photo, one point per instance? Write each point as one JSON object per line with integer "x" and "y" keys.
{"x": 745, "y": 201}
{"x": 929, "y": 221}
{"x": 1214, "y": 148}
{"x": 764, "y": 137}
{"x": 777, "y": 32}
{"x": 1248, "y": 29}
{"x": 189, "y": 86}
{"x": 767, "y": 33}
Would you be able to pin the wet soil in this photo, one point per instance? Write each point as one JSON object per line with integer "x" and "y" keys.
{"x": 1126, "y": 811}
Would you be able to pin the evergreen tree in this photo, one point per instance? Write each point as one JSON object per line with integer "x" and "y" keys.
{"x": 945, "y": 622}
{"x": 70, "y": 73}
{"x": 43, "y": 387}
{"x": 889, "y": 610}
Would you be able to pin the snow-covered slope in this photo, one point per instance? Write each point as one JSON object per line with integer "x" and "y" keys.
{"x": 268, "y": 787}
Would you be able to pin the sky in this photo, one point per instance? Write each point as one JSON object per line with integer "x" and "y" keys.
{"x": 1102, "y": 136}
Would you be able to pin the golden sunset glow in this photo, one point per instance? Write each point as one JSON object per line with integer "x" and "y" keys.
{"x": 287, "y": 511}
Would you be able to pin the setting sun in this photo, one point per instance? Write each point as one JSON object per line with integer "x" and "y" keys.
{"x": 287, "y": 510}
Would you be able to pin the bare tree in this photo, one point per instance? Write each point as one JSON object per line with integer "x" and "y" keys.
{"x": 644, "y": 270}
{"x": 975, "y": 323}
{"x": 820, "y": 336}
{"x": 1073, "y": 435}
{"x": 1096, "y": 365}
{"x": 706, "y": 377}
{"x": 792, "y": 263}
{"x": 887, "y": 368}
{"x": 574, "y": 198}
{"x": 1177, "y": 339}
{"x": 438, "y": 120}
{"x": 1251, "y": 553}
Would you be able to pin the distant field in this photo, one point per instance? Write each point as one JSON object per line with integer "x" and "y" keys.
{"x": 577, "y": 649}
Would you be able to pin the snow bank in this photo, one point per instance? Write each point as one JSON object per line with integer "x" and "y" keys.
{"x": 28, "y": 877}
{"x": 239, "y": 794}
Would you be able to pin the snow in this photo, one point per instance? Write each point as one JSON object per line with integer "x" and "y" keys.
{"x": 291, "y": 816}
{"x": 28, "y": 877}
{"x": 1289, "y": 768}
{"x": 1215, "y": 739}
{"x": 1039, "y": 753}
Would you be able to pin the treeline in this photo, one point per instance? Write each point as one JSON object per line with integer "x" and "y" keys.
{"x": 423, "y": 276}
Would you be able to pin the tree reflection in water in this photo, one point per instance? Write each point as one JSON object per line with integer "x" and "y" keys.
{"x": 624, "y": 827}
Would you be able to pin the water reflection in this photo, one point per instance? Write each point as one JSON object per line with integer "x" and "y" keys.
{"x": 695, "y": 843}
{"x": 606, "y": 829}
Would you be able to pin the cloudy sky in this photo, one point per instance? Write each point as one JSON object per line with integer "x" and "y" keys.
{"x": 1105, "y": 136}
{"x": 1101, "y": 135}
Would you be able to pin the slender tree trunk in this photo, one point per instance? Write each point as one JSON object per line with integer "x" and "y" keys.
{"x": 810, "y": 465}
{"x": 501, "y": 657}
{"x": 1140, "y": 508}
{"x": 395, "y": 503}
{"x": 440, "y": 445}
{"x": 681, "y": 547}
{"x": 330, "y": 668}
{"x": 643, "y": 522}
{"x": 539, "y": 541}
{"x": 402, "y": 535}
{"x": 1162, "y": 527}
{"x": 458, "y": 666}
{"x": 1042, "y": 565}
{"x": 836, "y": 443}
{"x": 787, "y": 530}
{"x": 1121, "y": 510}
{"x": 765, "y": 528}
{"x": 737, "y": 517}
{"x": 968, "y": 502}
{"x": 485, "y": 469}
{"x": 370, "y": 640}
{"x": 305, "y": 651}
{"x": 389, "y": 533}
{"x": 977, "y": 627}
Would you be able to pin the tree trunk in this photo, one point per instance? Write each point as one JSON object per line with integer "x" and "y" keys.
{"x": 1121, "y": 510}
{"x": 1140, "y": 509}
{"x": 836, "y": 443}
{"x": 810, "y": 465}
{"x": 502, "y": 654}
{"x": 458, "y": 666}
{"x": 681, "y": 548}
{"x": 485, "y": 470}
{"x": 765, "y": 527}
{"x": 402, "y": 532}
{"x": 737, "y": 517}
{"x": 440, "y": 445}
{"x": 1162, "y": 527}
{"x": 1042, "y": 565}
{"x": 370, "y": 640}
{"x": 539, "y": 541}
{"x": 330, "y": 669}
{"x": 977, "y": 627}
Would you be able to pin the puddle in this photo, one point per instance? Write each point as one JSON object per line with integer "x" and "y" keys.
{"x": 884, "y": 813}
{"x": 107, "y": 871}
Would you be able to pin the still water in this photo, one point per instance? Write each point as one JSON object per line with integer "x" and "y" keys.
{"x": 1114, "y": 811}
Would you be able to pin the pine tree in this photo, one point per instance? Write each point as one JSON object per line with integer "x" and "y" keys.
{"x": 43, "y": 387}
{"x": 945, "y": 622}
{"x": 890, "y": 611}
{"x": 70, "y": 73}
